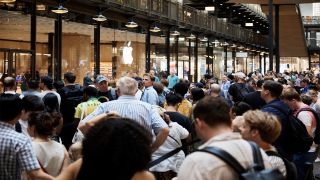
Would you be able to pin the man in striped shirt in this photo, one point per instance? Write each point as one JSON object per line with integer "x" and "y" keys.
{"x": 128, "y": 106}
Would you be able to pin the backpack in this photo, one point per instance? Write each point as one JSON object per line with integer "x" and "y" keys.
{"x": 290, "y": 166}
{"x": 255, "y": 172}
{"x": 73, "y": 95}
{"x": 241, "y": 91}
{"x": 316, "y": 138}
{"x": 298, "y": 137}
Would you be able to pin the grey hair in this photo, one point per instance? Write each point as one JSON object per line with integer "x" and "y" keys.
{"x": 215, "y": 88}
{"x": 127, "y": 86}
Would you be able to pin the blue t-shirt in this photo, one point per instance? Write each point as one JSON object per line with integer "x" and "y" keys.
{"x": 172, "y": 81}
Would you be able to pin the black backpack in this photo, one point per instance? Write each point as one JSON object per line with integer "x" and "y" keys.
{"x": 73, "y": 95}
{"x": 291, "y": 169}
{"x": 241, "y": 91}
{"x": 255, "y": 172}
{"x": 316, "y": 138}
{"x": 297, "y": 135}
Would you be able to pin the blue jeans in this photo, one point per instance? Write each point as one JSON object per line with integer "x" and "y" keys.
{"x": 304, "y": 163}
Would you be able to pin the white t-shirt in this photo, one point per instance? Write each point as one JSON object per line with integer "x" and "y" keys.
{"x": 309, "y": 120}
{"x": 50, "y": 154}
{"x": 172, "y": 142}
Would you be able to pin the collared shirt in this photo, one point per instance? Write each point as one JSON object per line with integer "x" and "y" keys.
{"x": 150, "y": 96}
{"x": 130, "y": 107}
{"x": 16, "y": 153}
{"x": 225, "y": 85}
{"x": 205, "y": 166}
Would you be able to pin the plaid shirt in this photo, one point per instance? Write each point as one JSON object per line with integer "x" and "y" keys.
{"x": 16, "y": 153}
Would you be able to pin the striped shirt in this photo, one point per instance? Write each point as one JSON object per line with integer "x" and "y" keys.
{"x": 16, "y": 153}
{"x": 130, "y": 107}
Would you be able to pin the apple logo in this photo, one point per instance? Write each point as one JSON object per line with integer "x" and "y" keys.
{"x": 127, "y": 54}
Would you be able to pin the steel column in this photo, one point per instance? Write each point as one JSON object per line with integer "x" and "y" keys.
{"x": 97, "y": 49}
{"x": 277, "y": 50}
{"x": 167, "y": 44}
{"x": 225, "y": 58}
{"x": 177, "y": 53}
{"x": 148, "y": 50}
{"x": 270, "y": 17}
{"x": 196, "y": 60}
{"x": 50, "y": 53}
{"x": 114, "y": 59}
{"x": 33, "y": 39}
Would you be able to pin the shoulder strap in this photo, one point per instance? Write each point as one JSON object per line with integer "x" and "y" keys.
{"x": 273, "y": 153}
{"x": 257, "y": 157}
{"x": 174, "y": 139}
{"x": 224, "y": 156}
{"x": 306, "y": 109}
{"x": 171, "y": 153}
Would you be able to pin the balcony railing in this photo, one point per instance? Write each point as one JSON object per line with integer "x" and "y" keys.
{"x": 186, "y": 15}
{"x": 314, "y": 20}
{"x": 313, "y": 44}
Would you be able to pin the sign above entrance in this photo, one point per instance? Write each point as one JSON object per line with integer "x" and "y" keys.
{"x": 241, "y": 54}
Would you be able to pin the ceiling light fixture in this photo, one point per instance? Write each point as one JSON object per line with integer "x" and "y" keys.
{"x": 155, "y": 29}
{"x": 99, "y": 18}
{"x": 204, "y": 39}
{"x": 225, "y": 43}
{"x": 60, "y": 9}
{"x": 249, "y": 24}
{"x": 192, "y": 36}
{"x": 215, "y": 42}
{"x": 7, "y": 1}
{"x": 131, "y": 24}
{"x": 209, "y": 8}
{"x": 174, "y": 33}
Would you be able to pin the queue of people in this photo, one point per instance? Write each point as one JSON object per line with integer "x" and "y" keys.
{"x": 148, "y": 127}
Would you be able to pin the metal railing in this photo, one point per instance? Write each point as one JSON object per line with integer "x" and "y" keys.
{"x": 314, "y": 20}
{"x": 256, "y": 8}
{"x": 313, "y": 43}
{"x": 187, "y": 15}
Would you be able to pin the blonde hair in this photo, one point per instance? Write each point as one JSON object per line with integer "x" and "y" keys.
{"x": 266, "y": 123}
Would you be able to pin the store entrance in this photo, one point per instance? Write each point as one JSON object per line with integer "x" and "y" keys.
{"x": 15, "y": 61}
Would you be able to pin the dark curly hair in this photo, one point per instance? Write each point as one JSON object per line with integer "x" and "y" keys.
{"x": 115, "y": 149}
{"x": 44, "y": 123}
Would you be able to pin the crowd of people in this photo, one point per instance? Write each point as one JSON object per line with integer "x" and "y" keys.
{"x": 149, "y": 127}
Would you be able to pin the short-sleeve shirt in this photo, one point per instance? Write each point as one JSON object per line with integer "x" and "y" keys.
{"x": 130, "y": 107}
{"x": 16, "y": 153}
{"x": 86, "y": 108}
